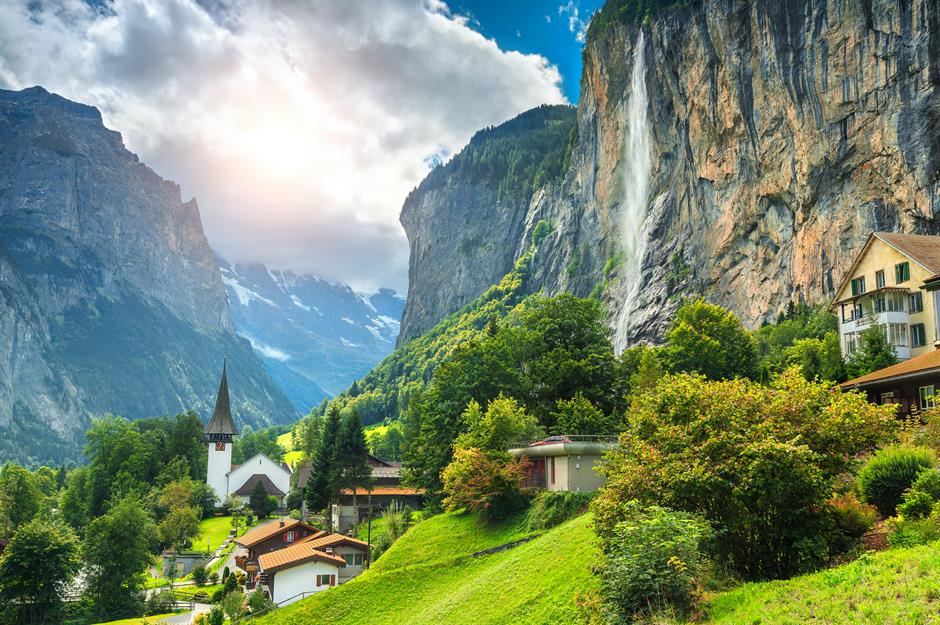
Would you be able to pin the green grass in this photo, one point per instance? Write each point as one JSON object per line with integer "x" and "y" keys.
{"x": 140, "y": 620}
{"x": 534, "y": 583}
{"x": 896, "y": 587}
{"x": 215, "y": 529}
{"x": 447, "y": 536}
{"x": 291, "y": 456}
{"x": 189, "y": 591}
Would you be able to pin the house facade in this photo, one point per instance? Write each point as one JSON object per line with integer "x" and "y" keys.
{"x": 893, "y": 283}
{"x": 565, "y": 463}
{"x": 290, "y": 574}
{"x": 274, "y": 536}
{"x": 239, "y": 480}
{"x": 911, "y": 385}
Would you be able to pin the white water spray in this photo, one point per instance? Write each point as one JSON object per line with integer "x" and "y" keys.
{"x": 636, "y": 182}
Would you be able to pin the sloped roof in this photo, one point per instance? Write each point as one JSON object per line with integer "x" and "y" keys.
{"x": 384, "y": 490}
{"x": 923, "y": 248}
{"x": 923, "y": 364}
{"x": 249, "y": 485}
{"x": 221, "y": 421}
{"x": 332, "y": 540}
{"x": 273, "y": 528}
{"x": 294, "y": 555}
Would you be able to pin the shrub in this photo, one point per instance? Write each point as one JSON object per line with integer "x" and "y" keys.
{"x": 225, "y": 574}
{"x": 160, "y": 603}
{"x": 549, "y": 509}
{"x": 214, "y": 578}
{"x": 890, "y": 472}
{"x": 259, "y": 602}
{"x": 200, "y": 576}
{"x": 928, "y": 481}
{"x": 217, "y": 596}
{"x": 215, "y": 616}
{"x": 914, "y": 532}
{"x": 240, "y": 577}
{"x": 483, "y": 483}
{"x": 915, "y": 504}
{"x": 852, "y": 517}
{"x": 758, "y": 462}
{"x": 653, "y": 561}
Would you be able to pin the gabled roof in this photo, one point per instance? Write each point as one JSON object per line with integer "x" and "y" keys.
{"x": 923, "y": 249}
{"x": 260, "y": 534}
{"x": 295, "y": 555}
{"x": 279, "y": 465}
{"x": 334, "y": 540}
{"x": 221, "y": 421}
{"x": 270, "y": 488}
{"x": 919, "y": 365}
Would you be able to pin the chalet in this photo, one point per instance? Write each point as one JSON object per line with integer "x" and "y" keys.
{"x": 239, "y": 480}
{"x": 274, "y": 536}
{"x": 353, "y": 505}
{"x": 312, "y": 565}
{"x": 894, "y": 283}
{"x": 293, "y": 573}
{"x": 911, "y": 385}
{"x": 567, "y": 463}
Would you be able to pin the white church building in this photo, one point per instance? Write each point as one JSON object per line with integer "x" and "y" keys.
{"x": 240, "y": 479}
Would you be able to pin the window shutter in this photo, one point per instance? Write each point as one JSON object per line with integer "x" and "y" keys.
{"x": 332, "y": 580}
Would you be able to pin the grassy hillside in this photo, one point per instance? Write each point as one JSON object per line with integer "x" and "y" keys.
{"x": 897, "y": 587}
{"x": 446, "y": 536}
{"x": 533, "y": 584}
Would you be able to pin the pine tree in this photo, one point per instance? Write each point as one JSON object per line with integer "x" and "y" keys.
{"x": 321, "y": 485}
{"x": 258, "y": 500}
{"x": 353, "y": 470}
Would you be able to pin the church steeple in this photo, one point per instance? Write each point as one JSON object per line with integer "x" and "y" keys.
{"x": 221, "y": 426}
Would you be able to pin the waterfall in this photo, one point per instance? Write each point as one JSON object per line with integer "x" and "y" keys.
{"x": 637, "y": 166}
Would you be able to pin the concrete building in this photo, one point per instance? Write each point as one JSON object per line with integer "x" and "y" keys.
{"x": 893, "y": 283}
{"x": 567, "y": 463}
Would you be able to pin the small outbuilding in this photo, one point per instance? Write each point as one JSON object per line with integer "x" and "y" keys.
{"x": 566, "y": 463}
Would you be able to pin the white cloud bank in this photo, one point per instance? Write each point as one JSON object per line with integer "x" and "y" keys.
{"x": 299, "y": 127}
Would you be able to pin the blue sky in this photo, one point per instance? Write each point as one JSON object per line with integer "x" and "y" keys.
{"x": 546, "y": 27}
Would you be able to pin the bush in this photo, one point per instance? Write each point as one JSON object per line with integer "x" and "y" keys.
{"x": 653, "y": 561}
{"x": 215, "y": 616}
{"x": 200, "y": 576}
{"x": 928, "y": 481}
{"x": 549, "y": 509}
{"x": 852, "y": 517}
{"x": 160, "y": 603}
{"x": 217, "y": 596}
{"x": 890, "y": 472}
{"x": 483, "y": 483}
{"x": 758, "y": 462}
{"x": 214, "y": 578}
{"x": 915, "y": 504}
{"x": 259, "y": 602}
{"x": 914, "y": 532}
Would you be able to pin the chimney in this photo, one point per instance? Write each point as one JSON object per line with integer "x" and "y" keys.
{"x": 282, "y": 522}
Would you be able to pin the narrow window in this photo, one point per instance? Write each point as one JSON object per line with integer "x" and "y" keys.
{"x": 858, "y": 286}
{"x": 918, "y": 335}
{"x": 880, "y": 279}
{"x": 880, "y": 304}
{"x": 926, "y": 397}
{"x": 917, "y": 302}
{"x": 902, "y": 272}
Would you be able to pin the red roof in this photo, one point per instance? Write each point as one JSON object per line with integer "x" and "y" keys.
{"x": 384, "y": 490}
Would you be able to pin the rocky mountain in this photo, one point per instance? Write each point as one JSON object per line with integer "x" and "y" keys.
{"x": 739, "y": 149}
{"x": 110, "y": 297}
{"x": 314, "y": 337}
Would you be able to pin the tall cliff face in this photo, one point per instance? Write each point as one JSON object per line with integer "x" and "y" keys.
{"x": 781, "y": 134}
{"x": 110, "y": 296}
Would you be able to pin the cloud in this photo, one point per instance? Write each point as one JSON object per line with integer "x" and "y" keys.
{"x": 576, "y": 25}
{"x": 299, "y": 127}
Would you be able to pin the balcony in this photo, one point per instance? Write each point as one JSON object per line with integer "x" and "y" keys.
{"x": 865, "y": 322}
